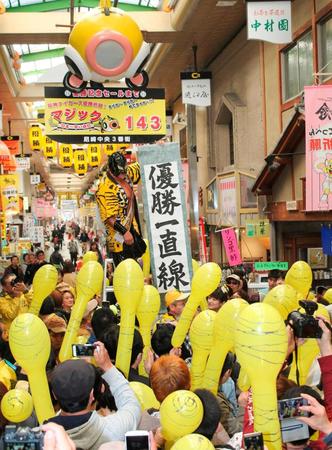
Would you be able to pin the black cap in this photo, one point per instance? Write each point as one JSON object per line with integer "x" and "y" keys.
{"x": 73, "y": 380}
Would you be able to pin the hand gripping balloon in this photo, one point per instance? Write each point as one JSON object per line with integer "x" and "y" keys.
{"x": 30, "y": 345}
{"x": 17, "y": 405}
{"x": 205, "y": 281}
{"x": 223, "y": 341}
{"x": 299, "y": 277}
{"x": 180, "y": 413}
{"x": 128, "y": 283}
{"x": 201, "y": 339}
{"x": 146, "y": 313}
{"x": 282, "y": 297}
{"x": 144, "y": 395}
{"x": 44, "y": 282}
{"x": 106, "y": 44}
{"x": 193, "y": 442}
{"x": 308, "y": 351}
{"x": 90, "y": 256}
{"x": 88, "y": 283}
{"x": 261, "y": 345}
{"x": 146, "y": 260}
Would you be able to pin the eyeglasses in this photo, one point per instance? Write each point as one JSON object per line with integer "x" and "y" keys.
{"x": 233, "y": 282}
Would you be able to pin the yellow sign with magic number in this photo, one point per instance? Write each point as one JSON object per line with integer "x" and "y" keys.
{"x": 105, "y": 116}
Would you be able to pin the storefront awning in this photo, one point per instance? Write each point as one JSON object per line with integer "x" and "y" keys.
{"x": 279, "y": 157}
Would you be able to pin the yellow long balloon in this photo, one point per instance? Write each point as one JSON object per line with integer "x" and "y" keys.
{"x": 261, "y": 345}
{"x": 44, "y": 282}
{"x": 205, "y": 281}
{"x": 128, "y": 283}
{"x": 223, "y": 341}
{"x": 201, "y": 339}
{"x": 146, "y": 260}
{"x": 308, "y": 351}
{"x": 299, "y": 276}
{"x": 88, "y": 282}
{"x": 146, "y": 313}
{"x": 90, "y": 256}
{"x": 30, "y": 345}
{"x": 144, "y": 395}
{"x": 284, "y": 298}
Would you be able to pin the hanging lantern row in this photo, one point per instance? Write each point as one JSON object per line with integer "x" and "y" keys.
{"x": 69, "y": 156}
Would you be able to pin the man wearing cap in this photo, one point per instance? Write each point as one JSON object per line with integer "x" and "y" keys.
{"x": 57, "y": 327}
{"x": 72, "y": 383}
{"x": 175, "y": 302}
{"x": 117, "y": 204}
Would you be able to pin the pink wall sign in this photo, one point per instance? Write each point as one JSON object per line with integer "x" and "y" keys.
{"x": 231, "y": 246}
{"x": 318, "y": 121}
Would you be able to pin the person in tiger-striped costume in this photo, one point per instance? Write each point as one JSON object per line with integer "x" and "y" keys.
{"x": 117, "y": 204}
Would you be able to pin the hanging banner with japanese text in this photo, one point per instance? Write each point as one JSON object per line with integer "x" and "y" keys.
{"x": 9, "y": 194}
{"x": 113, "y": 115}
{"x": 231, "y": 246}
{"x": 196, "y": 88}
{"x": 166, "y": 216}
{"x": 318, "y": 130}
{"x": 260, "y": 228}
{"x": 270, "y": 21}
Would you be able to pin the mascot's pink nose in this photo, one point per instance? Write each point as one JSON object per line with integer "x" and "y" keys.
{"x": 109, "y": 53}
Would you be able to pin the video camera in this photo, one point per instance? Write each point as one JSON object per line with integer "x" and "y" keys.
{"x": 22, "y": 437}
{"x": 304, "y": 324}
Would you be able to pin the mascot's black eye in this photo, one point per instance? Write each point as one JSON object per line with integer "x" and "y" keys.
{"x": 73, "y": 67}
{"x": 113, "y": 124}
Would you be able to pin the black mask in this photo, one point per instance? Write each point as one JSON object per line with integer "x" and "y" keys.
{"x": 117, "y": 163}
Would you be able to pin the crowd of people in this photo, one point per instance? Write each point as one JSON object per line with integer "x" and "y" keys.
{"x": 95, "y": 404}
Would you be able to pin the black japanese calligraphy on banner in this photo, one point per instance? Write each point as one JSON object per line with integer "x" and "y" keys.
{"x": 166, "y": 216}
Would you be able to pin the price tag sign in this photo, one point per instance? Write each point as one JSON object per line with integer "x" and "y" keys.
{"x": 270, "y": 265}
{"x": 110, "y": 116}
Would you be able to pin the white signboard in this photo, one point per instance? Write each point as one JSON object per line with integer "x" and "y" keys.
{"x": 196, "y": 88}
{"x": 23, "y": 163}
{"x": 227, "y": 187}
{"x": 165, "y": 213}
{"x": 35, "y": 178}
{"x": 270, "y": 21}
{"x": 28, "y": 224}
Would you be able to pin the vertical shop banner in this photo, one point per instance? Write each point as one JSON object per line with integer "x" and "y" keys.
{"x": 270, "y": 21}
{"x": 228, "y": 201}
{"x": 28, "y": 224}
{"x": 166, "y": 216}
{"x": 196, "y": 88}
{"x": 37, "y": 235}
{"x": 9, "y": 194}
{"x": 23, "y": 163}
{"x": 231, "y": 246}
{"x": 203, "y": 257}
{"x": 318, "y": 130}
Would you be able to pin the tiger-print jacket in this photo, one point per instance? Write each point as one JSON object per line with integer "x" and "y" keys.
{"x": 113, "y": 202}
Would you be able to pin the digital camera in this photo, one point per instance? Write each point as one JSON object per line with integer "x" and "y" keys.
{"x": 16, "y": 438}
{"x": 304, "y": 324}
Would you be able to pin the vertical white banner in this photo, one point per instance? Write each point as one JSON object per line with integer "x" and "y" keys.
{"x": 166, "y": 217}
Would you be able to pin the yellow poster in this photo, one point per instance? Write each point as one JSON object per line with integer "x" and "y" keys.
{"x": 109, "y": 115}
{"x": 3, "y": 225}
{"x": 9, "y": 194}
